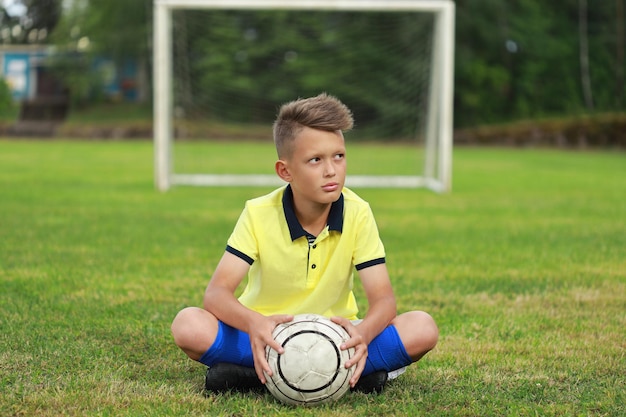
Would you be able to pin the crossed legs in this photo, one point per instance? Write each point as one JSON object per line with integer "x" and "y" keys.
{"x": 195, "y": 329}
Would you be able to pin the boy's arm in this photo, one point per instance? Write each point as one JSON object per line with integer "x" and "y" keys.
{"x": 219, "y": 299}
{"x": 381, "y": 301}
{"x": 381, "y": 311}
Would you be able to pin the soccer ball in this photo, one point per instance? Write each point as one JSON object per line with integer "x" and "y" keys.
{"x": 311, "y": 370}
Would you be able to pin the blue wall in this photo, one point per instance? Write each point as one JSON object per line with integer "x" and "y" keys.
{"x": 19, "y": 69}
{"x": 16, "y": 70}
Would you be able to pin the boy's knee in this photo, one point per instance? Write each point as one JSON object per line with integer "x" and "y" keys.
{"x": 427, "y": 328}
{"x": 194, "y": 330}
{"x": 183, "y": 324}
{"x": 418, "y": 332}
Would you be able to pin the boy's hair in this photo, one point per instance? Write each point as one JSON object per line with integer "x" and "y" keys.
{"x": 323, "y": 112}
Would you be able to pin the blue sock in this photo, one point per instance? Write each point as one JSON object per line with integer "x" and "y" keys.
{"x": 231, "y": 345}
{"x": 386, "y": 352}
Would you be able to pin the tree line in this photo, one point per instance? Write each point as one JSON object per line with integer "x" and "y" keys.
{"x": 518, "y": 59}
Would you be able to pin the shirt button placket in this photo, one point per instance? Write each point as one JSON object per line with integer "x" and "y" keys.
{"x": 313, "y": 266}
{"x": 313, "y": 261}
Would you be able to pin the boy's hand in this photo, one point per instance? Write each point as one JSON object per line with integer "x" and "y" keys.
{"x": 360, "y": 348}
{"x": 261, "y": 336}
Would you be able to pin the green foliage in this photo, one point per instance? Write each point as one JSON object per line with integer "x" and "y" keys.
{"x": 117, "y": 29}
{"x": 40, "y": 17}
{"x": 521, "y": 60}
{"x": 514, "y": 60}
{"x": 8, "y": 108}
{"x": 90, "y": 23}
{"x": 277, "y": 58}
{"x": 521, "y": 265}
{"x": 85, "y": 85}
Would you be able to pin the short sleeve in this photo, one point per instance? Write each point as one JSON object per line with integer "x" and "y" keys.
{"x": 369, "y": 249}
{"x": 243, "y": 239}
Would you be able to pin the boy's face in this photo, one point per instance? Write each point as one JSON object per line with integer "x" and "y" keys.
{"x": 316, "y": 168}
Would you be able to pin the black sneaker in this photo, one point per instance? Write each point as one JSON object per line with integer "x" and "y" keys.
{"x": 371, "y": 383}
{"x": 224, "y": 376}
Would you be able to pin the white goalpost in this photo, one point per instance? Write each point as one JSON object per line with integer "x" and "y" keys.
{"x": 436, "y": 170}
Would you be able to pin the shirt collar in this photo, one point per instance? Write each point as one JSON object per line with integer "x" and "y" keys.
{"x": 335, "y": 216}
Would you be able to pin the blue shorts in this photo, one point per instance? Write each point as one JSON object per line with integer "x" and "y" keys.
{"x": 385, "y": 352}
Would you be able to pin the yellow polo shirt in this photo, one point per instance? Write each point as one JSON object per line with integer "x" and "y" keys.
{"x": 288, "y": 275}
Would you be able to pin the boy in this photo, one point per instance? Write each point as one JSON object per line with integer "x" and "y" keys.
{"x": 299, "y": 246}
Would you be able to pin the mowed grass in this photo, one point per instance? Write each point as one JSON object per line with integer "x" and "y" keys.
{"x": 523, "y": 266}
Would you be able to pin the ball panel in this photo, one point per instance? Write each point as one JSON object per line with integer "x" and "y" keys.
{"x": 310, "y": 362}
{"x": 311, "y": 370}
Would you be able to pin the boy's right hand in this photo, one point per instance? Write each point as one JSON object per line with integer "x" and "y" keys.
{"x": 260, "y": 337}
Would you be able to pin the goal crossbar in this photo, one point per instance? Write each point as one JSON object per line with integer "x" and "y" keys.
{"x": 390, "y": 5}
{"x": 261, "y": 180}
{"x": 437, "y": 174}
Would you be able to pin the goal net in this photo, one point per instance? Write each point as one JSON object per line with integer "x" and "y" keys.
{"x": 222, "y": 68}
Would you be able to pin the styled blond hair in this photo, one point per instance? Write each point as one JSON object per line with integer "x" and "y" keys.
{"x": 323, "y": 112}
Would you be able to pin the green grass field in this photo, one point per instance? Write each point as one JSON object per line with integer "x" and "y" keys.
{"x": 523, "y": 266}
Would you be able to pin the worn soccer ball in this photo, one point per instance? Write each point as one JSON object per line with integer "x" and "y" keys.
{"x": 311, "y": 370}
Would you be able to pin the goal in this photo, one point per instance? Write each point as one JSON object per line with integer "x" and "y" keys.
{"x": 224, "y": 63}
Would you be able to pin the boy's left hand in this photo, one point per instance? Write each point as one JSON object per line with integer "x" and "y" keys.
{"x": 360, "y": 348}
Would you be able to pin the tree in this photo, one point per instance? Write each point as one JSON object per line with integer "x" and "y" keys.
{"x": 29, "y": 21}
{"x": 620, "y": 36}
{"x": 516, "y": 59}
{"x": 486, "y": 85}
{"x": 278, "y": 55}
{"x": 584, "y": 54}
{"x": 119, "y": 30}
